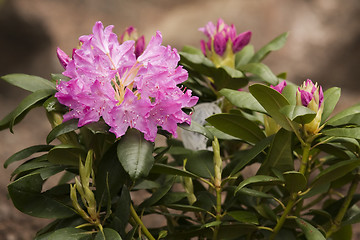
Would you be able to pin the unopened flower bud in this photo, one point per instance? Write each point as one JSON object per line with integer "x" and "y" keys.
{"x": 310, "y": 95}
{"x": 280, "y": 87}
{"x": 63, "y": 57}
{"x": 223, "y": 42}
{"x": 131, "y": 34}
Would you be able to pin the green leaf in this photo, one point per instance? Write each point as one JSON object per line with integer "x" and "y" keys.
{"x": 26, "y": 195}
{"x": 244, "y": 216}
{"x": 243, "y": 100}
{"x": 253, "y": 193}
{"x": 27, "y": 152}
{"x": 66, "y": 155}
{"x": 28, "y": 82}
{"x": 227, "y": 77}
{"x": 110, "y": 176}
{"x": 68, "y": 233}
{"x": 274, "y": 45}
{"x": 272, "y": 101}
{"x": 25, "y": 105}
{"x": 39, "y": 162}
{"x": 158, "y": 194}
{"x": 244, "y": 56}
{"x": 343, "y": 132}
{"x": 260, "y": 70}
{"x": 335, "y": 171}
{"x": 237, "y": 126}
{"x": 135, "y": 154}
{"x": 63, "y": 128}
{"x": 331, "y": 98}
{"x": 346, "y": 114}
{"x": 258, "y": 180}
{"x": 198, "y": 128}
{"x": 252, "y": 153}
{"x": 201, "y": 163}
{"x": 299, "y": 114}
{"x": 280, "y": 154}
{"x": 294, "y": 181}
{"x": 311, "y": 233}
{"x": 166, "y": 169}
{"x": 109, "y": 234}
{"x": 185, "y": 208}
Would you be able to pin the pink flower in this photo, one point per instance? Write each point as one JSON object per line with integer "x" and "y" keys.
{"x": 108, "y": 80}
{"x": 280, "y": 87}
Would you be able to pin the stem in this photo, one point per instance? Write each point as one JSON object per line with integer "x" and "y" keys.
{"x": 337, "y": 221}
{"x": 305, "y": 158}
{"x": 138, "y": 221}
{"x": 282, "y": 219}
{"x": 218, "y": 212}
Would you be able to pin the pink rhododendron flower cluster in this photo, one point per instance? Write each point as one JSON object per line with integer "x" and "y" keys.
{"x": 108, "y": 80}
{"x": 223, "y": 42}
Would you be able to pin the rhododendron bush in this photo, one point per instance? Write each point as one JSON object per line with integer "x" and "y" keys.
{"x": 248, "y": 154}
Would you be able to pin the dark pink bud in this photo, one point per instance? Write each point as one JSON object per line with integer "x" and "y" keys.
{"x": 63, "y": 57}
{"x": 280, "y": 87}
{"x": 139, "y": 46}
{"x": 219, "y": 44}
{"x": 241, "y": 41}
{"x": 306, "y": 97}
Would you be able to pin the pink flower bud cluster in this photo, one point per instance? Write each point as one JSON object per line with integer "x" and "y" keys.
{"x": 108, "y": 80}
{"x": 220, "y": 36}
{"x": 311, "y": 95}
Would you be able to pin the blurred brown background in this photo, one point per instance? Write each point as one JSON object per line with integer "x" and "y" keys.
{"x": 323, "y": 45}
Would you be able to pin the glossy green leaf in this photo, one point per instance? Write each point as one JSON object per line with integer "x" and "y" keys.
{"x": 253, "y": 193}
{"x": 198, "y": 128}
{"x": 289, "y": 92}
{"x": 66, "y": 155}
{"x": 135, "y": 154}
{"x": 272, "y": 101}
{"x": 299, "y": 114}
{"x": 344, "y": 116}
{"x": 243, "y": 100}
{"x": 294, "y": 181}
{"x": 52, "y": 105}
{"x": 219, "y": 134}
{"x": 244, "y": 216}
{"x": 26, "y": 195}
{"x": 63, "y": 128}
{"x": 28, "y": 82}
{"x": 335, "y": 171}
{"x": 244, "y": 56}
{"x": 311, "y": 233}
{"x": 158, "y": 194}
{"x": 110, "y": 176}
{"x": 260, "y": 70}
{"x": 27, "y": 152}
{"x": 200, "y": 163}
{"x": 237, "y": 126}
{"x": 68, "y": 233}
{"x": 227, "y": 77}
{"x": 331, "y": 98}
{"x": 25, "y": 105}
{"x": 343, "y": 132}
{"x": 108, "y": 234}
{"x": 185, "y": 208}
{"x": 167, "y": 169}
{"x": 259, "y": 180}
{"x": 252, "y": 153}
{"x": 280, "y": 154}
{"x": 273, "y": 45}
{"x": 33, "y": 164}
